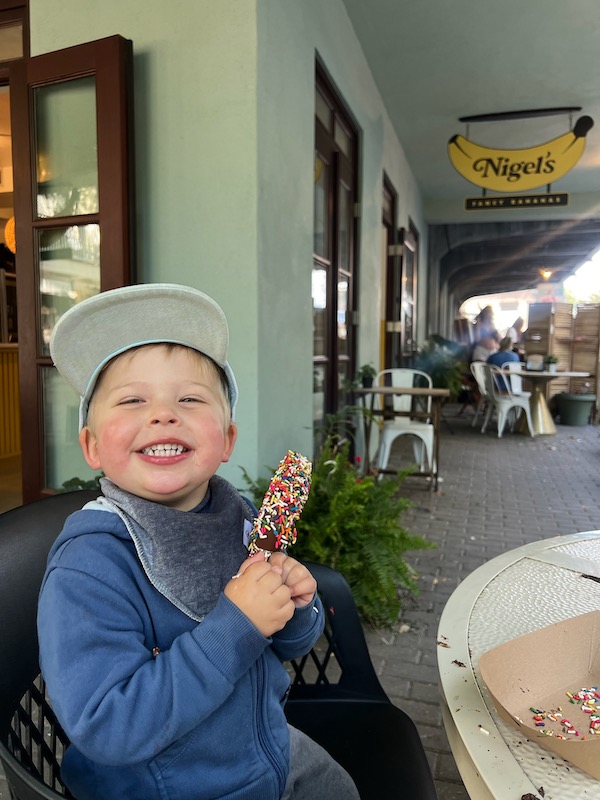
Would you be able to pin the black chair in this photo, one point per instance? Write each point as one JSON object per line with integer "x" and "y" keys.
{"x": 336, "y": 697}
{"x": 31, "y": 740}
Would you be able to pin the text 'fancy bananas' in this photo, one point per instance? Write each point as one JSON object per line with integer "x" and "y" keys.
{"x": 521, "y": 169}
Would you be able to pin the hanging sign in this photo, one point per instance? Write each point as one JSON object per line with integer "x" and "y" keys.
{"x": 488, "y": 203}
{"x": 519, "y": 170}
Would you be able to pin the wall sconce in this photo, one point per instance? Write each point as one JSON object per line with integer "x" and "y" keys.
{"x": 546, "y": 274}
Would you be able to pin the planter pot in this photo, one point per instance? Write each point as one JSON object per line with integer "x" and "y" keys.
{"x": 551, "y": 367}
{"x": 367, "y": 382}
{"x": 575, "y": 409}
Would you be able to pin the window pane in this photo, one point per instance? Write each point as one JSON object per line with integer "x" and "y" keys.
{"x": 319, "y": 299}
{"x": 342, "y": 139}
{"x": 345, "y": 228}
{"x": 344, "y": 381}
{"x": 323, "y": 111}
{"x": 63, "y": 458}
{"x": 69, "y": 270}
{"x": 342, "y": 316}
{"x": 11, "y": 41}
{"x": 319, "y": 389}
{"x": 321, "y": 227}
{"x": 409, "y": 274}
{"x": 67, "y": 152}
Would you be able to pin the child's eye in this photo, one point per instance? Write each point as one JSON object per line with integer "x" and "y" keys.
{"x": 191, "y": 400}
{"x": 129, "y": 401}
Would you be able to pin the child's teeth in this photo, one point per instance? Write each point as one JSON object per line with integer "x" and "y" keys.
{"x": 164, "y": 450}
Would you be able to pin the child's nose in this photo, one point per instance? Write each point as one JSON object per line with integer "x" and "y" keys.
{"x": 163, "y": 414}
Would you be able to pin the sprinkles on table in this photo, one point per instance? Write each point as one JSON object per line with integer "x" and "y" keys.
{"x": 275, "y": 526}
{"x": 587, "y": 700}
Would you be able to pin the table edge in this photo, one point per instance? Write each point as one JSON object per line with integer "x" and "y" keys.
{"x": 475, "y": 728}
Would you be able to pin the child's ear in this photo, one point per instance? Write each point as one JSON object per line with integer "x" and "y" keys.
{"x": 89, "y": 448}
{"x": 230, "y": 440}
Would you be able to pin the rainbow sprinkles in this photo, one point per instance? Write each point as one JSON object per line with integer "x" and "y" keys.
{"x": 556, "y": 722}
{"x": 275, "y": 526}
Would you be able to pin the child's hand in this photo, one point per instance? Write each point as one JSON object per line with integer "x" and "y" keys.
{"x": 296, "y": 577}
{"x": 260, "y": 593}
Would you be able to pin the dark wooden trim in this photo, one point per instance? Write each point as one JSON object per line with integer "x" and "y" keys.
{"x": 29, "y": 389}
{"x": 344, "y": 171}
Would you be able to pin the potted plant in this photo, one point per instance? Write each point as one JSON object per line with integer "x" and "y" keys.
{"x": 443, "y": 360}
{"x": 366, "y": 375}
{"x": 351, "y": 522}
{"x": 550, "y": 362}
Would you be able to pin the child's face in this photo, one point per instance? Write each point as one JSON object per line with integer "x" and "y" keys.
{"x": 159, "y": 425}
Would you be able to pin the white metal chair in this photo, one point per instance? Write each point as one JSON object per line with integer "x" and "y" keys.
{"x": 477, "y": 372}
{"x": 502, "y": 402}
{"x": 421, "y": 429}
{"x": 516, "y": 382}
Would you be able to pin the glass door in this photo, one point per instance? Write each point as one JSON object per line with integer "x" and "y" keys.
{"x": 71, "y": 113}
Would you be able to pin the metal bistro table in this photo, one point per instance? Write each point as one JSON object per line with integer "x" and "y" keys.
{"x": 515, "y": 593}
{"x": 540, "y": 414}
{"x": 437, "y": 397}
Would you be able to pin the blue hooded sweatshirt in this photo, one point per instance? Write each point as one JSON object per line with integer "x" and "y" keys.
{"x": 160, "y": 701}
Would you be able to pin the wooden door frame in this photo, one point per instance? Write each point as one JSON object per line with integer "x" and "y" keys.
{"x": 110, "y": 61}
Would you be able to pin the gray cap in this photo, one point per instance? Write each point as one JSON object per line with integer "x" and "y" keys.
{"x": 96, "y": 330}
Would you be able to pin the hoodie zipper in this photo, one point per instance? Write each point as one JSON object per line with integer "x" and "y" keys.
{"x": 262, "y": 735}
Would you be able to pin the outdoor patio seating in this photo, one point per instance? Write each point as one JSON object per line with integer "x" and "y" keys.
{"x": 401, "y": 423}
{"x": 335, "y": 697}
{"x": 502, "y": 402}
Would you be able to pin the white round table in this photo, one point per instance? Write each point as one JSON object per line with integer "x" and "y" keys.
{"x": 513, "y": 594}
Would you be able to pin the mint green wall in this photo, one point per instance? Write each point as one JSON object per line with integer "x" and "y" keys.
{"x": 290, "y": 34}
{"x": 195, "y": 142}
{"x": 224, "y": 93}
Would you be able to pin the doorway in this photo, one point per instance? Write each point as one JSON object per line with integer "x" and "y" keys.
{"x": 10, "y": 422}
{"x": 14, "y": 45}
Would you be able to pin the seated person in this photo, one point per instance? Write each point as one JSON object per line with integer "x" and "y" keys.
{"x": 503, "y": 355}
{"x": 161, "y": 641}
{"x": 484, "y": 348}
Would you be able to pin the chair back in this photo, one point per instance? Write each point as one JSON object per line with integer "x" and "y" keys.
{"x": 336, "y": 697}
{"x": 344, "y": 668}
{"x": 478, "y": 372}
{"x": 26, "y": 535}
{"x": 515, "y": 381}
{"x": 402, "y": 377}
{"x": 497, "y": 383}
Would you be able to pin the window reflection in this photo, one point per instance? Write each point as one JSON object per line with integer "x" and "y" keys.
{"x": 66, "y": 148}
{"x": 319, "y": 298}
{"x": 63, "y": 458}
{"x": 320, "y": 227}
{"x": 342, "y": 316}
{"x": 69, "y": 272}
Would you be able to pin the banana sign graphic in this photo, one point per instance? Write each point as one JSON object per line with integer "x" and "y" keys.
{"x": 519, "y": 170}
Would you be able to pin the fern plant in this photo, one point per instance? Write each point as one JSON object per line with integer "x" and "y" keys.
{"x": 351, "y": 522}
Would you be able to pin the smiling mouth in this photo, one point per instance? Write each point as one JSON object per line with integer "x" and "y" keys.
{"x": 164, "y": 450}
